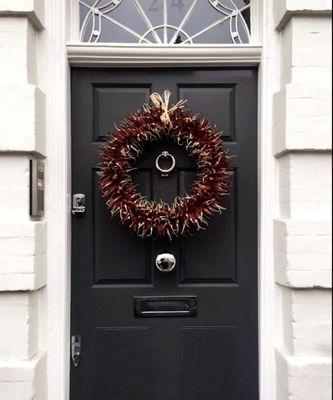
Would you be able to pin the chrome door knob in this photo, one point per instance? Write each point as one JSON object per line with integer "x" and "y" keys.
{"x": 165, "y": 262}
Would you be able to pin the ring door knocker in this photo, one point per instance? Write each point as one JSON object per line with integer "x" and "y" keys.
{"x": 165, "y": 172}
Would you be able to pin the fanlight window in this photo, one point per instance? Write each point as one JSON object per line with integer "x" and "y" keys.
{"x": 165, "y": 22}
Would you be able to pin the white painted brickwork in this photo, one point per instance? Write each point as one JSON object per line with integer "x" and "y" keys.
{"x": 24, "y": 379}
{"x": 22, "y": 240}
{"x": 303, "y": 229}
{"x": 305, "y": 186}
{"x": 19, "y": 336}
{"x": 22, "y": 104}
{"x": 310, "y": 64}
{"x": 22, "y": 256}
{"x": 306, "y": 322}
{"x": 303, "y": 253}
{"x": 302, "y": 112}
{"x": 284, "y": 10}
{"x": 31, "y": 9}
{"x": 303, "y": 378}
{"x": 14, "y": 188}
{"x": 302, "y": 118}
{"x": 18, "y": 40}
{"x": 26, "y": 133}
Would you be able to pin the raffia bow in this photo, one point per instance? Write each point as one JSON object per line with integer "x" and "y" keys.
{"x": 163, "y": 104}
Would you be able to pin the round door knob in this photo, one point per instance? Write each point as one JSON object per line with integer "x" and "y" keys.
{"x": 165, "y": 262}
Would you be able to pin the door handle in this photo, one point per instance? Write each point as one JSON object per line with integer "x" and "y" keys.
{"x": 165, "y": 262}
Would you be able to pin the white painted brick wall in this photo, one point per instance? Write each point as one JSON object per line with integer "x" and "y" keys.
{"x": 32, "y": 9}
{"x": 307, "y": 322}
{"x": 22, "y": 241}
{"x": 303, "y": 253}
{"x": 24, "y": 380}
{"x": 310, "y": 64}
{"x": 284, "y": 10}
{"x": 18, "y": 44}
{"x": 22, "y": 256}
{"x": 302, "y": 127}
{"x": 22, "y": 112}
{"x": 19, "y": 325}
{"x": 302, "y": 118}
{"x": 302, "y": 112}
{"x": 305, "y": 186}
{"x": 14, "y": 188}
{"x": 303, "y": 378}
{"x": 302, "y": 231}
{"x": 22, "y": 360}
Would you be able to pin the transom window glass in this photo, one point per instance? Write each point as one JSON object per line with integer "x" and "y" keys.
{"x": 165, "y": 22}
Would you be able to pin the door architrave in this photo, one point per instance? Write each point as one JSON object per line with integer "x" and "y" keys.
{"x": 58, "y": 18}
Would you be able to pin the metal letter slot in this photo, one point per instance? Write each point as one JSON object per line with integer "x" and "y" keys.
{"x": 76, "y": 350}
{"x": 165, "y": 306}
{"x": 79, "y": 204}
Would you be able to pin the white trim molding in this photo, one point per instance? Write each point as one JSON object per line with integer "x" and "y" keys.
{"x": 103, "y": 54}
{"x": 61, "y": 57}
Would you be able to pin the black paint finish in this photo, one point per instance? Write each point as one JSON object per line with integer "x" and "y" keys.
{"x": 213, "y": 354}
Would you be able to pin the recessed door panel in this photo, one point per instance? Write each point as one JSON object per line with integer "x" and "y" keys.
{"x": 111, "y": 104}
{"x": 112, "y": 260}
{"x": 208, "y": 368}
{"x": 220, "y": 240}
{"x": 220, "y": 109}
{"x": 114, "y": 376}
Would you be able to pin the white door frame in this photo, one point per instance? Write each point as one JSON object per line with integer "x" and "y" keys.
{"x": 61, "y": 55}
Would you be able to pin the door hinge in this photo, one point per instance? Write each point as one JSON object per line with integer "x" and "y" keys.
{"x": 76, "y": 350}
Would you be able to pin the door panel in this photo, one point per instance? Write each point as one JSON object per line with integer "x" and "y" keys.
{"x": 211, "y": 353}
{"x": 207, "y": 370}
{"x": 106, "y": 101}
{"x": 114, "y": 348}
{"x": 216, "y": 261}
{"x": 111, "y": 264}
{"x": 223, "y": 95}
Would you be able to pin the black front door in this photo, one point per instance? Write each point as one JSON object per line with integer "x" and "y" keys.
{"x": 129, "y": 350}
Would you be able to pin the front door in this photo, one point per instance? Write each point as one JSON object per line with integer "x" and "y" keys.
{"x": 190, "y": 334}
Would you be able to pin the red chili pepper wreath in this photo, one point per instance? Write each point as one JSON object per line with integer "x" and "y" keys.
{"x": 159, "y": 219}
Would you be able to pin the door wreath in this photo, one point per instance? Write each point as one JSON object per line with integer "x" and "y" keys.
{"x": 202, "y": 141}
